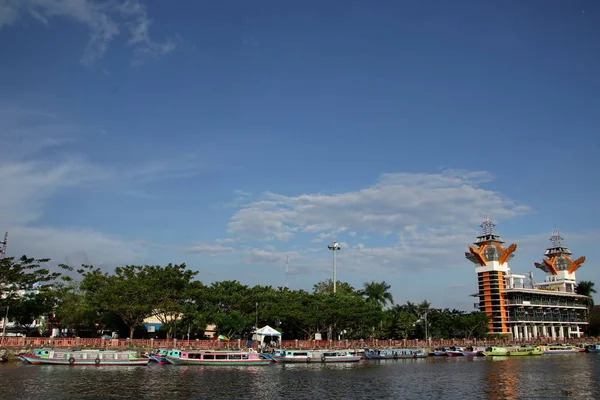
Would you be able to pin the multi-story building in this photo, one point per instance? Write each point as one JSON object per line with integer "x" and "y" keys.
{"x": 518, "y": 306}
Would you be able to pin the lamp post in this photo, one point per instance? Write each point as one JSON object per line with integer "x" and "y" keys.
{"x": 425, "y": 312}
{"x": 4, "y": 323}
{"x": 334, "y": 247}
{"x": 256, "y": 314}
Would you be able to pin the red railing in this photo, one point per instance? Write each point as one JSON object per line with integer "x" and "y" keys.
{"x": 36, "y": 342}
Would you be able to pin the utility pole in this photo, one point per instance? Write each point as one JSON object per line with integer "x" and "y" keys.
{"x": 256, "y": 314}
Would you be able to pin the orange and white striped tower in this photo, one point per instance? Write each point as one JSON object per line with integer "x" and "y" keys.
{"x": 492, "y": 265}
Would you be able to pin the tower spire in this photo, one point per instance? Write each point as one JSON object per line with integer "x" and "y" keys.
{"x": 487, "y": 226}
{"x": 556, "y": 239}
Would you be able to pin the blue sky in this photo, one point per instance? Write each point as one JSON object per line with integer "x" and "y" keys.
{"x": 233, "y": 135}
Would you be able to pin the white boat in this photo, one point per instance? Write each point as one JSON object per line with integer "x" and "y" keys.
{"x": 337, "y": 356}
{"x": 559, "y": 349}
{"x": 294, "y": 356}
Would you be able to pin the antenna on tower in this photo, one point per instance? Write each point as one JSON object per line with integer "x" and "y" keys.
{"x": 556, "y": 239}
{"x": 487, "y": 225}
{"x": 530, "y": 275}
{"x": 287, "y": 271}
{"x": 3, "y": 248}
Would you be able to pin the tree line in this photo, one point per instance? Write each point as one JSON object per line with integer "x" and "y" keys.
{"x": 87, "y": 301}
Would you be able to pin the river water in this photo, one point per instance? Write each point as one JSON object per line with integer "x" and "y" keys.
{"x": 569, "y": 376}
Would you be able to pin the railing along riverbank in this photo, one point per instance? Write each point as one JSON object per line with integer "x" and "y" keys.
{"x": 148, "y": 344}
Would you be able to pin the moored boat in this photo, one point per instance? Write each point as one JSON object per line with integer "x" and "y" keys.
{"x": 455, "y": 352}
{"x": 160, "y": 356}
{"x": 513, "y": 351}
{"x": 83, "y": 357}
{"x": 196, "y": 357}
{"x": 559, "y": 349}
{"x": 473, "y": 351}
{"x": 593, "y": 348}
{"x": 440, "y": 351}
{"x": 337, "y": 356}
{"x": 386, "y": 354}
{"x": 293, "y": 356}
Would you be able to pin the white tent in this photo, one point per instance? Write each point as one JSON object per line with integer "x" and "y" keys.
{"x": 266, "y": 332}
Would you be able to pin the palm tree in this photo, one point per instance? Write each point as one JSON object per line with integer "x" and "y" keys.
{"x": 378, "y": 293}
{"x": 586, "y": 288}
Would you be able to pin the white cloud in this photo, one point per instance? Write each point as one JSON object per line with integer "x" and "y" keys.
{"x": 225, "y": 240}
{"x": 208, "y": 249}
{"x": 74, "y": 246}
{"x": 260, "y": 256}
{"x": 453, "y": 199}
{"x": 104, "y": 19}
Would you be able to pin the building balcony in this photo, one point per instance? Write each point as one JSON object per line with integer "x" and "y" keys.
{"x": 537, "y": 303}
{"x": 550, "y": 321}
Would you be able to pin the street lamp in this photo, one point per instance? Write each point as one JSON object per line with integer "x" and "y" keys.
{"x": 4, "y": 324}
{"x": 256, "y": 314}
{"x": 425, "y": 312}
{"x": 334, "y": 247}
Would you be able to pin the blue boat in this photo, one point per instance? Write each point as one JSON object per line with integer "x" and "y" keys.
{"x": 387, "y": 354}
{"x": 593, "y": 348}
{"x": 160, "y": 356}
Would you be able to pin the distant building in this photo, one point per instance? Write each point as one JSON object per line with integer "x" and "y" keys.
{"x": 523, "y": 309}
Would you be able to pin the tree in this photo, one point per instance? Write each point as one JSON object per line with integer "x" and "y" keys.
{"x": 23, "y": 274}
{"x": 378, "y": 293}
{"x": 172, "y": 293}
{"x": 129, "y": 293}
{"x": 327, "y": 287}
{"x": 586, "y": 288}
{"x": 31, "y": 307}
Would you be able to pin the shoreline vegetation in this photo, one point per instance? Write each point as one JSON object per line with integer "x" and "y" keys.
{"x": 86, "y": 303}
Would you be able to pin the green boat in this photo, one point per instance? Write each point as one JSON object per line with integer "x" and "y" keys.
{"x": 513, "y": 351}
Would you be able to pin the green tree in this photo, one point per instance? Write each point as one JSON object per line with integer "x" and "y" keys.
{"x": 129, "y": 293}
{"x": 23, "y": 274}
{"x": 172, "y": 292}
{"x": 378, "y": 293}
{"x": 340, "y": 287}
{"x": 586, "y": 288}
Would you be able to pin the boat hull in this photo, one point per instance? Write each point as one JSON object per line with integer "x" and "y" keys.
{"x": 180, "y": 361}
{"x": 340, "y": 359}
{"x": 159, "y": 359}
{"x": 31, "y": 359}
{"x": 512, "y": 353}
{"x": 561, "y": 351}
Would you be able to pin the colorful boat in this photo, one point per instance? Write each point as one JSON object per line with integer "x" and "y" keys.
{"x": 496, "y": 351}
{"x": 473, "y": 351}
{"x": 593, "y": 348}
{"x": 455, "y": 352}
{"x": 559, "y": 349}
{"x": 160, "y": 356}
{"x": 98, "y": 358}
{"x": 337, "y": 356}
{"x": 386, "y": 354}
{"x": 197, "y": 357}
{"x": 440, "y": 351}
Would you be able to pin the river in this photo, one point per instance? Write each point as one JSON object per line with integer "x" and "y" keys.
{"x": 569, "y": 376}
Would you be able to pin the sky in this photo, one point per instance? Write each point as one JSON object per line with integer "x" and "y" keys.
{"x": 236, "y": 135}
